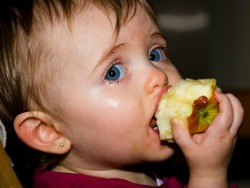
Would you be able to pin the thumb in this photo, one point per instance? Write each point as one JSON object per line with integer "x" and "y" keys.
{"x": 180, "y": 132}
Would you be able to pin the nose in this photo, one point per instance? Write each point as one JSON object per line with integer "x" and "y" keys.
{"x": 155, "y": 79}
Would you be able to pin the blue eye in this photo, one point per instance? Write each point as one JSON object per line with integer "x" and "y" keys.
{"x": 157, "y": 54}
{"x": 115, "y": 72}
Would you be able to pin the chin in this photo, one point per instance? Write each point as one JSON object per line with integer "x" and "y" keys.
{"x": 164, "y": 152}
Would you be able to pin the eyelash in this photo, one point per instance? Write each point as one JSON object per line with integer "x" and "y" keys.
{"x": 116, "y": 80}
{"x": 163, "y": 53}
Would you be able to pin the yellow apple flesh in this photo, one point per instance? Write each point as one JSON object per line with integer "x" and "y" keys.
{"x": 190, "y": 100}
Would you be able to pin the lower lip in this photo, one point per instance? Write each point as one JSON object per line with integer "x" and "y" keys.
{"x": 156, "y": 132}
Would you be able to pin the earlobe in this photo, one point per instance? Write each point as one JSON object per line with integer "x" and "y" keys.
{"x": 35, "y": 129}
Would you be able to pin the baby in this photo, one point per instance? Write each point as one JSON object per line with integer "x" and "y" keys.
{"x": 82, "y": 80}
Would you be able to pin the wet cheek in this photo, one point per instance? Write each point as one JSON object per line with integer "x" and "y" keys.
{"x": 119, "y": 106}
{"x": 111, "y": 103}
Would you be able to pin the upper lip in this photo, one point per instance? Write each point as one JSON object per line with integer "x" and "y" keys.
{"x": 163, "y": 91}
{"x": 159, "y": 95}
{"x": 158, "y": 98}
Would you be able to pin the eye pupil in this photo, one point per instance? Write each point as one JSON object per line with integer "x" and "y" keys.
{"x": 114, "y": 73}
{"x": 157, "y": 55}
{"x": 152, "y": 57}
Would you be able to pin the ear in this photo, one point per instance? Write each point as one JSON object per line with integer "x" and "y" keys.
{"x": 35, "y": 129}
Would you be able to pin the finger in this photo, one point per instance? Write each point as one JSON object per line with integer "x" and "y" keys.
{"x": 224, "y": 118}
{"x": 180, "y": 133}
{"x": 238, "y": 114}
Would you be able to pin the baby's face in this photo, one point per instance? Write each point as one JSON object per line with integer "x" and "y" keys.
{"x": 109, "y": 89}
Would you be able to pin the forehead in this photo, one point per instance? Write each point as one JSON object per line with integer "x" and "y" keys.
{"x": 91, "y": 25}
{"x": 51, "y": 11}
{"x": 61, "y": 12}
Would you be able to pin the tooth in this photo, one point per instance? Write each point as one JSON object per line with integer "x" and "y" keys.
{"x": 155, "y": 128}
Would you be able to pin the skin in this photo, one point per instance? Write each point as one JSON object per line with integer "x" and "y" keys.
{"x": 112, "y": 119}
{"x": 107, "y": 123}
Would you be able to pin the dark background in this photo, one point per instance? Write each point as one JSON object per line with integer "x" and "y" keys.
{"x": 212, "y": 39}
{"x": 209, "y": 38}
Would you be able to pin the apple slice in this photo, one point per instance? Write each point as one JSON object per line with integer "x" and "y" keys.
{"x": 192, "y": 101}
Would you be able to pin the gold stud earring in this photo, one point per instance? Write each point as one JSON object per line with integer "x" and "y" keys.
{"x": 62, "y": 144}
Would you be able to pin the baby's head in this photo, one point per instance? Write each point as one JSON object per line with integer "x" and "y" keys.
{"x": 82, "y": 77}
{"x": 31, "y": 56}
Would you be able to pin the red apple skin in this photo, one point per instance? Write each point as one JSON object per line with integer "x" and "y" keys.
{"x": 199, "y": 121}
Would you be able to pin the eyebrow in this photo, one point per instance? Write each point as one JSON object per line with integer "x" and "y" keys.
{"x": 108, "y": 53}
{"x": 158, "y": 35}
{"x": 114, "y": 48}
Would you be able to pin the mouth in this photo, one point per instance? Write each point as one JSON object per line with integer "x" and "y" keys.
{"x": 154, "y": 125}
{"x": 153, "y": 122}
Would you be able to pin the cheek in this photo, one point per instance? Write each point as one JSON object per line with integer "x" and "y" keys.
{"x": 119, "y": 114}
{"x": 172, "y": 73}
{"x": 109, "y": 115}
{"x": 110, "y": 124}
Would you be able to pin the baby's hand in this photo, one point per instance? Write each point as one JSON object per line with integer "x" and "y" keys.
{"x": 208, "y": 154}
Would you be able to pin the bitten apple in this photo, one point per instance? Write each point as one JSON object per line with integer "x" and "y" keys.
{"x": 192, "y": 101}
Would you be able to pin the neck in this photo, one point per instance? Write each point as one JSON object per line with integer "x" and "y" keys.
{"x": 133, "y": 174}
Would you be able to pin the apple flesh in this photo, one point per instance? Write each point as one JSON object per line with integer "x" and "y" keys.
{"x": 192, "y": 101}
